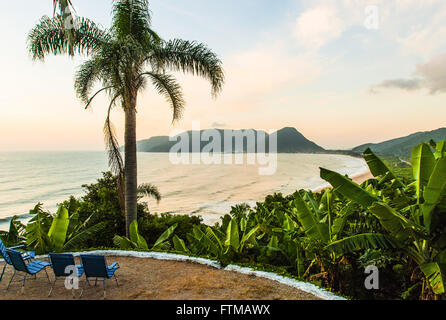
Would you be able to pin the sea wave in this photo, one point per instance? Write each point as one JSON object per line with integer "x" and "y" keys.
{"x": 209, "y": 191}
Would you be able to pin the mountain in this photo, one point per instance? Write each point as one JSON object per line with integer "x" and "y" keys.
{"x": 289, "y": 140}
{"x": 402, "y": 147}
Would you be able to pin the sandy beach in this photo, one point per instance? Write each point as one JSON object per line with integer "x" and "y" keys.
{"x": 357, "y": 178}
{"x": 201, "y": 190}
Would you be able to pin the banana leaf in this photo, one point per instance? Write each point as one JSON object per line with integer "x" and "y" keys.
{"x": 348, "y": 188}
{"x": 326, "y": 201}
{"x": 80, "y": 237}
{"x": 423, "y": 162}
{"x": 314, "y": 205}
{"x": 435, "y": 275}
{"x": 361, "y": 242}
{"x": 312, "y": 227}
{"x": 288, "y": 224}
{"x": 300, "y": 261}
{"x": 165, "y": 236}
{"x": 378, "y": 167}
{"x": 434, "y": 191}
{"x": 396, "y": 224}
{"x": 14, "y": 236}
{"x": 273, "y": 242}
{"x": 213, "y": 242}
{"x": 243, "y": 224}
{"x": 124, "y": 243}
{"x": 340, "y": 222}
{"x": 247, "y": 237}
{"x": 59, "y": 227}
{"x": 440, "y": 148}
{"x": 232, "y": 235}
{"x": 179, "y": 244}
{"x": 136, "y": 237}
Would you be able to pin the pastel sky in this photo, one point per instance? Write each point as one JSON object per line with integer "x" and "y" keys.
{"x": 319, "y": 66}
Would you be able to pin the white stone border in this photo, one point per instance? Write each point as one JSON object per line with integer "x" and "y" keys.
{"x": 303, "y": 286}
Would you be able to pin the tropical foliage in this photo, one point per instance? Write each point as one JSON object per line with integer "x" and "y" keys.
{"x": 396, "y": 224}
{"x": 56, "y": 233}
{"x": 137, "y": 241}
{"x": 101, "y": 202}
{"x": 16, "y": 233}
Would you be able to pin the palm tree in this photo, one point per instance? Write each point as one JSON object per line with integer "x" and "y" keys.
{"x": 122, "y": 59}
{"x": 66, "y": 10}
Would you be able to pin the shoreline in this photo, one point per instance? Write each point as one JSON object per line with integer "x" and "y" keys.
{"x": 357, "y": 178}
{"x": 362, "y": 173}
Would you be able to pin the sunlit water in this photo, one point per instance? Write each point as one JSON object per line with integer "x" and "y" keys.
{"x": 27, "y": 178}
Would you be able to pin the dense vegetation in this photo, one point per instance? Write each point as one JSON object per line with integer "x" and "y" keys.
{"x": 394, "y": 222}
{"x": 402, "y": 147}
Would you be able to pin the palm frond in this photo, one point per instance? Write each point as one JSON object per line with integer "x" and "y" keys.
{"x": 149, "y": 190}
{"x": 192, "y": 57}
{"x": 85, "y": 79}
{"x": 114, "y": 156}
{"x": 49, "y": 37}
{"x": 171, "y": 90}
{"x": 66, "y": 11}
{"x": 131, "y": 18}
{"x": 93, "y": 96}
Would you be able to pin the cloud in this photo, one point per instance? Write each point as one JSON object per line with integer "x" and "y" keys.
{"x": 318, "y": 26}
{"x": 434, "y": 74}
{"x": 404, "y": 84}
{"x": 430, "y": 76}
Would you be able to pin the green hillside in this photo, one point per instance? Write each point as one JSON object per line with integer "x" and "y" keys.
{"x": 402, "y": 147}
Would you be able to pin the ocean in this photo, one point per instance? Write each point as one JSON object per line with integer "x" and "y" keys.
{"x": 27, "y": 178}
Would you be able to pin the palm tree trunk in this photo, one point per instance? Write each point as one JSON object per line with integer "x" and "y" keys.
{"x": 130, "y": 168}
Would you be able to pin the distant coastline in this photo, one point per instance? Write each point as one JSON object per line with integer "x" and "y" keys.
{"x": 359, "y": 178}
{"x": 51, "y": 178}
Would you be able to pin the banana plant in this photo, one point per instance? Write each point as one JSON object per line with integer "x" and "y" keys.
{"x": 410, "y": 228}
{"x": 323, "y": 222}
{"x": 46, "y": 233}
{"x": 15, "y": 235}
{"x": 137, "y": 241}
{"x": 224, "y": 246}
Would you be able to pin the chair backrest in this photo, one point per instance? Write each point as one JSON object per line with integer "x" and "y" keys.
{"x": 95, "y": 266}
{"x": 17, "y": 260}
{"x": 3, "y": 252}
{"x": 60, "y": 261}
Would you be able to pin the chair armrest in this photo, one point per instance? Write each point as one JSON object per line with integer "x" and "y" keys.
{"x": 17, "y": 247}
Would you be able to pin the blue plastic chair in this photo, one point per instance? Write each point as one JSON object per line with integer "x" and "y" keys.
{"x": 31, "y": 268}
{"x": 26, "y": 255}
{"x": 95, "y": 266}
{"x": 59, "y": 263}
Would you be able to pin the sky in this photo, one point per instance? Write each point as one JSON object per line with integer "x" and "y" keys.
{"x": 343, "y": 72}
